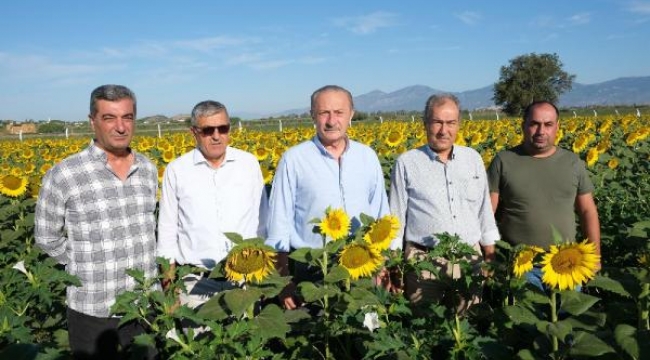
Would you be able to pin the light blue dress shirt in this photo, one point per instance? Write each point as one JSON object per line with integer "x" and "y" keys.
{"x": 308, "y": 180}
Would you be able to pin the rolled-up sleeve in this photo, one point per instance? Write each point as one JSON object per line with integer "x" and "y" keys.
{"x": 280, "y": 219}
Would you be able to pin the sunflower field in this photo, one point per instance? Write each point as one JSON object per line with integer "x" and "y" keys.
{"x": 345, "y": 315}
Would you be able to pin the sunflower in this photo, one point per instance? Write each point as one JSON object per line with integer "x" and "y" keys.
{"x": 267, "y": 175}
{"x": 612, "y": 163}
{"x": 335, "y": 224}
{"x": 161, "y": 173}
{"x": 261, "y": 153}
{"x": 394, "y": 138}
{"x": 592, "y": 156}
{"x": 250, "y": 261}
{"x": 644, "y": 259}
{"x": 14, "y": 186}
{"x": 168, "y": 155}
{"x": 382, "y": 232}
{"x": 568, "y": 265}
{"x": 524, "y": 260}
{"x": 360, "y": 259}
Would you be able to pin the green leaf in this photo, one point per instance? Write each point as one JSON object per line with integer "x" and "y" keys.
{"x": 336, "y": 274}
{"x": 589, "y": 320}
{"x": 576, "y": 303}
{"x": 609, "y": 284}
{"x": 559, "y": 329}
{"x": 306, "y": 255}
{"x": 234, "y": 237}
{"x": 239, "y": 300}
{"x": 625, "y": 336}
{"x": 526, "y": 355}
{"x": 366, "y": 220}
{"x": 214, "y": 308}
{"x": 536, "y": 296}
{"x": 293, "y": 316}
{"x": 586, "y": 344}
{"x": 273, "y": 285}
{"x": 520, "y": 315}
{"x": 271, "y": 323}
{"x": 311, "y": 292}
{"x": 334, "y": 246}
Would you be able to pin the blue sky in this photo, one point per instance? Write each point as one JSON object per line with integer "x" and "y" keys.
{"x": 267, "y": 56}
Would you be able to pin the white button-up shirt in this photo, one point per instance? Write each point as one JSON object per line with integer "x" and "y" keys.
{"x": 200, "y": 203}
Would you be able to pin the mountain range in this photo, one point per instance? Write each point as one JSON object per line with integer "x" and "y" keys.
{"x": 621, "y": 91}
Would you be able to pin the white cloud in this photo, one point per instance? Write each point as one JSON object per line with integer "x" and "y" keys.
{"x": 36, "y": 67}
{"x": 469, "y": 17}
{"x": 639, "y": 7}
{"x": 367, "y": 24}
{"x": 212, "y": 43}
{"x": 580, "y": 19}
{"x": 271, "y": 64}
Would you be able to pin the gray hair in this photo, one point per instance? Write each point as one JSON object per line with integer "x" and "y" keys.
{"x": 326, "y": 88}
{"x": 110, "y": 93}
{"x": 207, "y": 108}
{"x": 438, "y": 100}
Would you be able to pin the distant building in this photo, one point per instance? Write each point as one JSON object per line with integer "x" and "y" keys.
{"x": 25, "y": 128}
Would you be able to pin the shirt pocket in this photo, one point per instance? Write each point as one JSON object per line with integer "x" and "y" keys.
{"x": 471, "y": 188}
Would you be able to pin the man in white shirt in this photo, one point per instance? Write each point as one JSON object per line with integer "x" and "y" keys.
{"x": 207, "y": 192}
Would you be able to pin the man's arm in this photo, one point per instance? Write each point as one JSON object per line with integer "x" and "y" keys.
{"x": 50, "y": 220}
{"x": 494, "y": 199}
{"x": 168, "y": 224}
{"x": 279, "y": 224}
{"x": 286, "y": 296}
{"x": 588, "y": 213}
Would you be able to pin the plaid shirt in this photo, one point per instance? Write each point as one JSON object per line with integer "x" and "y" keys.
{"x": 98, "y": 226}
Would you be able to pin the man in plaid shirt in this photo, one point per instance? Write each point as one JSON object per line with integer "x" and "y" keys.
{"x": 95, "y": 215}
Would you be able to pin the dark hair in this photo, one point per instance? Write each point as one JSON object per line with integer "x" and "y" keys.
{"x": 325, "y": 88}
{"x": 437, "y": 100}
{"x": 207, "y": 108}
{"x": 110, "y": 93}
{"x": 529, "y": 109}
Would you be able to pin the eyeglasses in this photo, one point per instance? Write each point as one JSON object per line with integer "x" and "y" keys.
{"x": 209, "y": 130}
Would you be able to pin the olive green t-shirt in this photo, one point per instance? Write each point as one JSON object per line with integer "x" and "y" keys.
{"x": 537, "y": 195}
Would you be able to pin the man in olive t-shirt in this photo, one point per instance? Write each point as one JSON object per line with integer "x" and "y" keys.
{"x": 537, "y": 186}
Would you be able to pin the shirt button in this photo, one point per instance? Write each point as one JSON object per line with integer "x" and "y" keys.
{"x": 454, "y": 216}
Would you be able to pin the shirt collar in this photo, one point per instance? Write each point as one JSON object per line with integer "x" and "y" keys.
{"x": 434, "y": 155}
{"x": 323, "y": 151}
{"x": 199, "y": 158}
{"x": 98, "y": 153}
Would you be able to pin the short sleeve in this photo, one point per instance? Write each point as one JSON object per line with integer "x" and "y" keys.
{"x": 494, "y": 174}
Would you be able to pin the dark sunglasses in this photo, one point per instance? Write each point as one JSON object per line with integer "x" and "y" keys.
{"x": 209, "y": 130}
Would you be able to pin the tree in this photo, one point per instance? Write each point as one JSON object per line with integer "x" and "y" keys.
{"x": 531, "y": 78}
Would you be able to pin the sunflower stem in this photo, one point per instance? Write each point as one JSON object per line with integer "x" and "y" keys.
{"x": 554, "y": 319}
{"x": 643, "y": 306}
{"x": 326, "y": 302}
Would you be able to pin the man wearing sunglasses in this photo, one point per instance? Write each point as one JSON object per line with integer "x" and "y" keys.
{"x": 209, "y": 191}
{"x": 328, "y": 170}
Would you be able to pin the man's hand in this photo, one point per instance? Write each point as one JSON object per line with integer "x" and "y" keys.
{"x": 385, "y": 280}
{"x": 287, "y": 297}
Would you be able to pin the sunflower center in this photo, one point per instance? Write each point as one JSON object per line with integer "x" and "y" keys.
{"x": 355, "y": 257}
{"x": 11, "y": 182}
{"x": 249, "y": 261}
{"x": 525, "y": 257}
{"x": 334, "y": 223}
{"x": 565, "y": 261}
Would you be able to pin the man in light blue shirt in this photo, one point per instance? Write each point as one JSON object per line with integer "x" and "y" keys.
{"x": 328, "y": 170}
